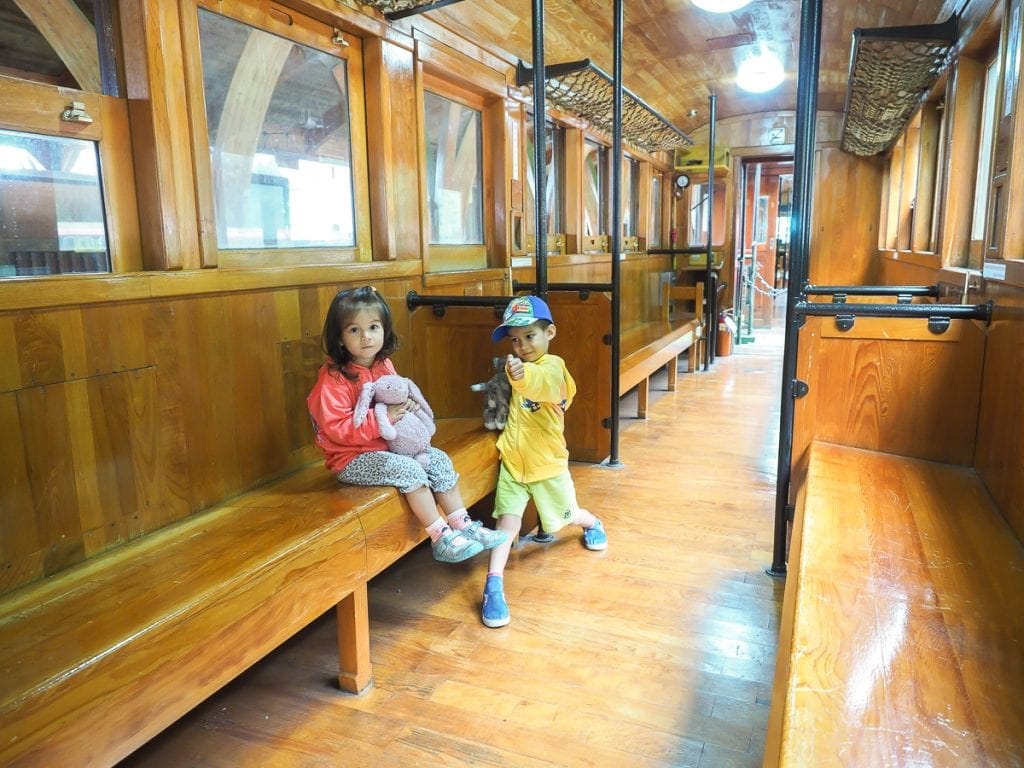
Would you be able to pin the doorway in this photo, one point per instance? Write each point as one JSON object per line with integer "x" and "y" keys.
{"x": 763, "y": 250}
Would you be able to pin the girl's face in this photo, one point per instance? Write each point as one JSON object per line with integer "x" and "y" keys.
{"x": 363, "y": 336}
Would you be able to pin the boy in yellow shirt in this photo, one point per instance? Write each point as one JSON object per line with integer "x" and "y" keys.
{"x": 534, "y": 458}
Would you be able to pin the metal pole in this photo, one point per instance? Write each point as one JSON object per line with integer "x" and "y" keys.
{"x": 710, "y": 294}
{"x": 800, "y": 240}
{"x": 613, "y": 456}
{"x": 539, "y": 151}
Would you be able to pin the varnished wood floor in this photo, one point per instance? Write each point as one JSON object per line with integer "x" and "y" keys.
{"x": 659, "y": 652}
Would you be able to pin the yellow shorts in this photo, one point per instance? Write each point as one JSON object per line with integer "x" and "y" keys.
{"x": 555, "y": 499}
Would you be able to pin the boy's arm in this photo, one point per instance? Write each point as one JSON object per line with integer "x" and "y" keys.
{"x": 545, "y": 381}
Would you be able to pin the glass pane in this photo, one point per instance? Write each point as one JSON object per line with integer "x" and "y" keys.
{"x": 630, "y": 198}
{"x": 699, "y": 214}
{"x": 26, "y": 53}
{"x": 987, "y": 139}
{"x": 594, "y": 185}
{"x": 454, "y": 171}
{"x": 280, "y": 147}
{"x": 554, "y": 152}
{"x": 654, "y": 236}
{"x": 51, "y": 206}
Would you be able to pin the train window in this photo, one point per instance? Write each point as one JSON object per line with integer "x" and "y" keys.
{"x": 51, "y": 206}
{"x": 630, "y": 196}
{"x": 985, "y": 146}
{"x": 595, "y": 188}
{"x": 698, "y": 224}
{"x": 283, "y": 168}
{"x": 454, "y": 139}
{"x": 654, "y": 228}
{"x": 554, "y": 177}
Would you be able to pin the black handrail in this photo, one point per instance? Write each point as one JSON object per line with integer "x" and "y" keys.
{"x": 902, "y": 292}
{"x": 688, "y": 251}
{"x": 441, "y": 303}
{"x": 580, "y": 287}
{"x": 840, "y": 309}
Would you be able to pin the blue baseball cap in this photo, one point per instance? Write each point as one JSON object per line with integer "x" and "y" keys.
{"x": 520, "y": 312}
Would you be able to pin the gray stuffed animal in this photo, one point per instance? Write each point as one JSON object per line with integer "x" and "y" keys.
{"x": 410, "y": 435}
{"x": 497, "y": 391}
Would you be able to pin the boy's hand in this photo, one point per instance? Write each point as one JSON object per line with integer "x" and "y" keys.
{"x": 514, "y": 367}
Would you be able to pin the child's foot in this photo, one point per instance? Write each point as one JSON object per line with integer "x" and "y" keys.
{"x": 487, "y": 538}
{"x": 595, "y": 537}
{"x": 453, "y": 547}
{"x": 495, "y": 609}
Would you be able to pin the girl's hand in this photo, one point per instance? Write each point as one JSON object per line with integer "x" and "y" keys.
{"x": 396, "y": 412}
{"x": 514, "y": 367}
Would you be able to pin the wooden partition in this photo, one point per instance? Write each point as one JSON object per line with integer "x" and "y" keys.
{"x": 454, "y": 351}
{"x": 999, "y": 458}
{"x": 889, "y": 384}
{"x": 121, "y": 417}
{"x": 583, "y": 326}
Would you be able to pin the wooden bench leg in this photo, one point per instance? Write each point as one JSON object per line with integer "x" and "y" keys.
{"x": 641, "y": 399}
{"x": 692, "y": 357}
{"x": 673, "y": 372}
{"x": 354, "y": 641}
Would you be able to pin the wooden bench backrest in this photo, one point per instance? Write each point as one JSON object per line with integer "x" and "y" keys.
{"x": 673, "y": 293}
{"x": 889, "y": 384}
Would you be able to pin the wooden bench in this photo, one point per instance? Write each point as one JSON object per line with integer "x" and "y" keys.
{"x": 647, "y": 348}
{"x": 101, "y": 657}
{"x": 902, "y": 634}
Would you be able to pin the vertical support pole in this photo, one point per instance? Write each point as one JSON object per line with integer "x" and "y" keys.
{"x": 616, "y": 244}
{"x": 710, "y": 284}
{"x": 539, "y": 151}
{"x": 800, "y": 241}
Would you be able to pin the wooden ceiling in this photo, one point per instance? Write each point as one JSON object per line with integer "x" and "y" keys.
{"x": 675, "y": 55}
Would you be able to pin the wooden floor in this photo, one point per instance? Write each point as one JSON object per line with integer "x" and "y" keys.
{"x": 658, "y": 652}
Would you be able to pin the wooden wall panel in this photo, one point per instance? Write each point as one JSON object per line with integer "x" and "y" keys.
{"x": 463, "y": 334}
{"x": 890, "y": 385}
{"x": 119, "y": 418}
{"x": 1000, "y": 454}
{"x": 844, "y": 235}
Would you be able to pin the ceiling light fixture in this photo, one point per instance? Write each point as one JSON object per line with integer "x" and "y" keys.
{"x": 760, "y": 73}
{"x": 720, "y": 6}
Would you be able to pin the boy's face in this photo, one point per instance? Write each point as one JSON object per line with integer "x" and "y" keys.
{"x": 530, "y": 342}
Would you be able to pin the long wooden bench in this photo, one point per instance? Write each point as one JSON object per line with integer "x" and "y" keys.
{"x": 98, "y": 659}
{"x": 902, "y": 635}
{"x": 647, "y": 348}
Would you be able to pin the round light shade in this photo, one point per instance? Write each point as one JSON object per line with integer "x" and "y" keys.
{"x": 760, "y": 73}
{"x": 720, "y": 6}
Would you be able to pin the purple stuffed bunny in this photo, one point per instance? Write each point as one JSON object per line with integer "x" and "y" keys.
{"x": 410, "y": 435}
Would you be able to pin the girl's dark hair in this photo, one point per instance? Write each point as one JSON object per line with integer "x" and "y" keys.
{"x": 344, "y": 306}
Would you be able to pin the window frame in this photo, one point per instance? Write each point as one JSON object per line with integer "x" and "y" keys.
{"x": 556, "y": 223}
{"x": 446, "y": 257}
{"x": 35, "y": 107}
{"x": 304, "y": 30}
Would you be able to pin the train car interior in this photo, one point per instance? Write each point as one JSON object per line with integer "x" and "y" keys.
{"x": 781, "y": 246}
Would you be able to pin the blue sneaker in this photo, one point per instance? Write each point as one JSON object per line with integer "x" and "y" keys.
{"x": 495, "y": 609}
{"x": 595, "y": 538}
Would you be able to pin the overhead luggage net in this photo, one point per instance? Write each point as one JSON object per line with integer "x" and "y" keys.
{"x": 582, "y": 89}
{"x": 891, "y": 71}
